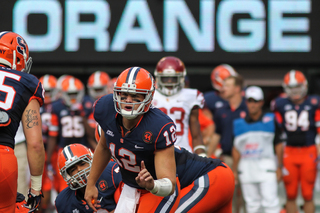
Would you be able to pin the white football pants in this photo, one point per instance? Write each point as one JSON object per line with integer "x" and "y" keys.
{"x": 261, "y": 197}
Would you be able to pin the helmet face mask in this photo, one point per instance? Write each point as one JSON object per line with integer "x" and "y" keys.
{"x": 98, "y": 84}
{"x": 134, "y": 80}
{"x": 170, "y": 75}
{"x": 72, "y": 90}
{"x": 49, "y": 83}
{"x": 295, "y": 85}
{"x": 68, "y": 158}
{"x": 15, "y": 54}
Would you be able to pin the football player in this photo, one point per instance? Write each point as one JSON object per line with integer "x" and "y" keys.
{"x": 215, "y": 100}
{"x": 68, "y": 123}
{"x": 49, "y": 83}
{"x": 75, "y": 162}
{"x": 200, "y": 179}
{"x": 141, "y": 138}
{"x": 179, "y": 103}
{"x": 20, "y": 100}
{"x": 99, "y": 84}
{"x": 299, "y": 116}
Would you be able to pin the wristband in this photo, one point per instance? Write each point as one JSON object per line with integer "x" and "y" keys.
{"x": 36, "y": 182}
{"x": 199, "y": 147}
{"x": 162, "y": 187}
{"x": 202, "y": 155}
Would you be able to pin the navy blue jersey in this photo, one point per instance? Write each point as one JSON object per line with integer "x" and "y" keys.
{"x": 300, "y": 122}
{"x": 223, "y": 119}
{"x": 17, "y": 89}
{"x": 87, "y": 104}
{"x": 190, "y": 166}
{"x": 45, "y": 112}
{"x": 67, "y": 201}
{"x": 213, "y": 101}
{"x": 67, "y": 125}
{"x": 154, "y": 131}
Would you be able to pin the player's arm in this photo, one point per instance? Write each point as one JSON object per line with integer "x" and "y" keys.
{"x": 236, "y": 158}
{"x": 165, "y": 167}
{"x": 100, "y": 160}
{"x": 213, "y": 145}
{"x": 197, "y": 142}
{"x": 52, "y": 139}
{"x": 32, "y": 128}
{"x": 279, "y": 147}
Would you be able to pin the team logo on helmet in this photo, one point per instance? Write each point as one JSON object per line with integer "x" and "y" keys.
{"x": 147, "y": 137}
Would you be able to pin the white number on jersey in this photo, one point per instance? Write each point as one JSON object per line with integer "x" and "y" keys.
{"x": 72, "y": 126}
{"x": 9, "y": 90}
{"x": 293, "y": 120}
{"x": 177, "y": 115}
{"x": 131, "y": 164}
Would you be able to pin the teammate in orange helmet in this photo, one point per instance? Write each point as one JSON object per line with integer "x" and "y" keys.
{"x": 49, "y": 83}
{"x": 68, "y": 124}
{"x": 214, "y": 99}
{"x": 299, "y": 116}
{"x": 141, "y": 138}
{"x": 22, "y": 96}
{"x": 75, "y": 162}
{"x": 98, "y": 84}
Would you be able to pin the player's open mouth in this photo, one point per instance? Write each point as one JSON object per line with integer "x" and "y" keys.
{"x": 128, "y": 108}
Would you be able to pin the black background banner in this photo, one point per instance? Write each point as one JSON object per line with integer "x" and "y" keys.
{"x": 139, "y": 31}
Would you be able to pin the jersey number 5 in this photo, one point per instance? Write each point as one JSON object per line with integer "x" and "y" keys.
{"x": 9, "y": 90}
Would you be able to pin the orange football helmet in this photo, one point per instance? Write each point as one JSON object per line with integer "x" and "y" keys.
{"x": 71, "y": 155}
{"x": 170, "y": 75}
{"x": 134, "y": 80}
{"x": 220, "y": 73}
{"x": 72, "y": 90}
{"x": 295, "y": 85}
{"x": 14, "y": 52}
{"x": 49, "y": 83}
{"x": 98, "y": 84}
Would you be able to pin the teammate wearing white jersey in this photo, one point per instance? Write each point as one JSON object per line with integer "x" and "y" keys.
{"x": 179, "y": 103}
{"x": 255, "y": 138}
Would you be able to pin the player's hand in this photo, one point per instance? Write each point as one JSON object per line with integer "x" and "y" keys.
{"x": 91, "y": 196}
{"x": 279, "y": 174}
{"x": 34, "y": 200}
{"x": 144, "y": 178}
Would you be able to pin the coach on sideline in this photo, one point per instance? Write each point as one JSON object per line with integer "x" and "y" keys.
{"x": 255, "y": 165}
